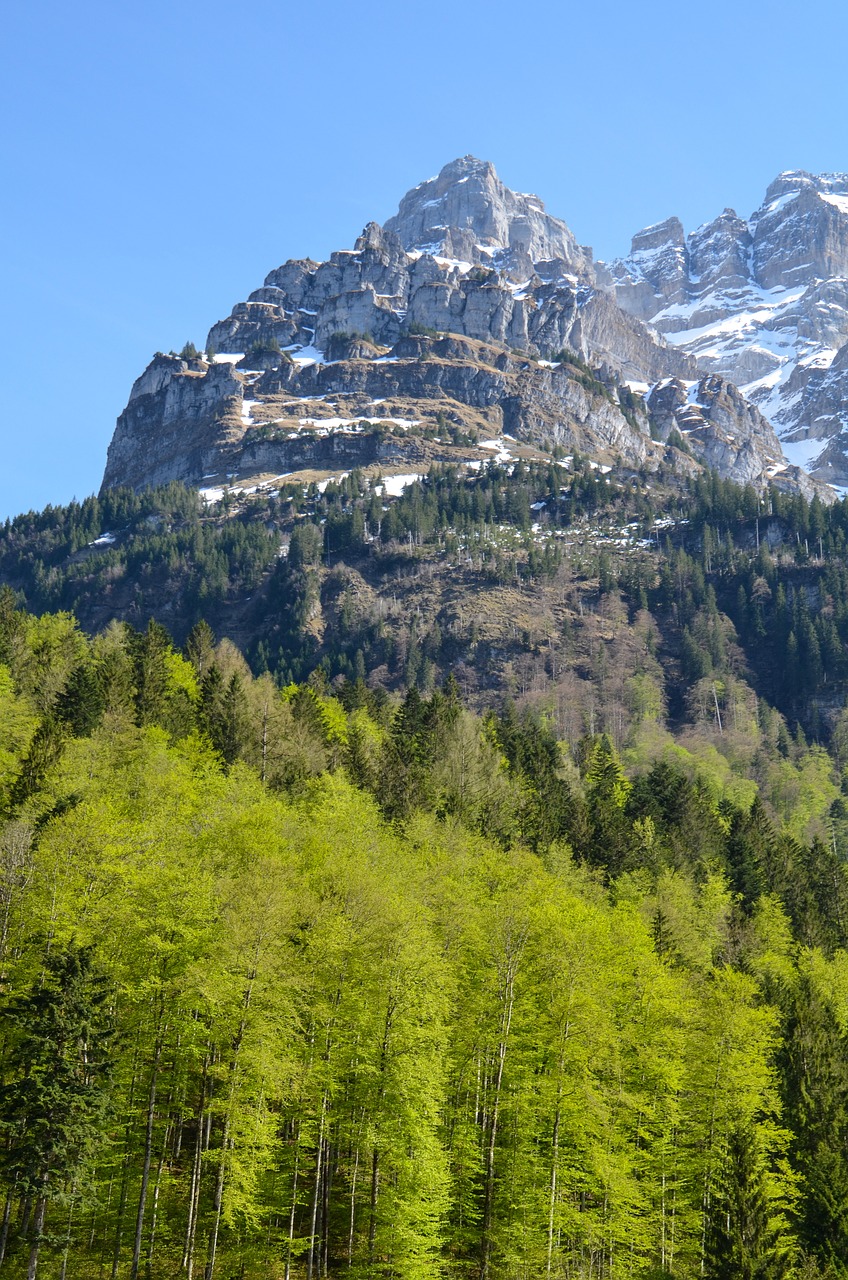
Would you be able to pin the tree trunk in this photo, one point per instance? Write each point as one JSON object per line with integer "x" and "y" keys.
{"x": 155, "y": 1207}
{"x": 67, "y": 1249}
{"x": 125, "y": 1173}
{"x": 148, "y": 1152}
{"x": 552, "y": 1206}
{"x": 194, "y": 1190}
{"x": 293, "y": 1207}
{"x": 219, "y": 1200}
{"x": 508, "y": 999}
{"x": 315, "y": 1195}
{"x": 352, "y": 1208}
{"x": 375, "y": 1189}
{"x": 38, "y": 1231}
{"x": 325, "y": 1209}
{"x": 4, "y": 1230}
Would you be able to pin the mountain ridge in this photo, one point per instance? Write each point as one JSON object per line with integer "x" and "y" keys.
{"x": 523, "y": 288}
{"x": 763, "y": 301}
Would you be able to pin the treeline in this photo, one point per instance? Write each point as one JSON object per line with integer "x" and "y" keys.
{"x": 740, "y": 584}
{"x": 155, "y": 547}
{"x": 306, "y": 982}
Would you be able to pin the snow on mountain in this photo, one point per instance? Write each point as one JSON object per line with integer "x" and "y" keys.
{"x": 467, "y": 300}
{"x": 763, "y": 302}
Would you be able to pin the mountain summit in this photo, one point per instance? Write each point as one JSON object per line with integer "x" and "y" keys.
{"x": 467, "y": 214}
{"x": 762, "y": 301}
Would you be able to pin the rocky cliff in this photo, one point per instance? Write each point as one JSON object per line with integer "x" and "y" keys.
{"x": 762, "y": 301}
{"x": 472, "y": 312}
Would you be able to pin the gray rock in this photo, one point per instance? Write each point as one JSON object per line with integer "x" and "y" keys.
{"x": 467, "y": 213}
{"x": 175, "y": 431}
{"x": 468, "y": 258}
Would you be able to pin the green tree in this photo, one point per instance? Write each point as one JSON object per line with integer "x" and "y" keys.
{"x": 52, "y": 1104}
{"x": 746, "y": 1239}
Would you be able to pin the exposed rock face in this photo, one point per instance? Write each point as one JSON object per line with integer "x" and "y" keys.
{"x": 467, "y": 258}
{"x": 467, "y": 213}
{"x": 763, "y": 302}
{"x": 657, "y": 268}
{"x": 378, "y": 291}
{"x": 167, "y": 433}
{"x": 227, "y": 421}
{"x": 725, "y": 431}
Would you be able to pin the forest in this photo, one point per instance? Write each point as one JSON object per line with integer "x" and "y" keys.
{"x": 738, "y": 585}
{"x": 322, "y": 979}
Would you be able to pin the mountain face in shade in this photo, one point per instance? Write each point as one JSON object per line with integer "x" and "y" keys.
{"x": 474, "y": 305}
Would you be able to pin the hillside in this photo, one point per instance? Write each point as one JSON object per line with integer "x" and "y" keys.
{"x": 557, "y": 583}
{"x": 301, "y": 983}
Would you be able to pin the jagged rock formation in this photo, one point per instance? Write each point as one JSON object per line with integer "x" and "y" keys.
{"x": 399, "y": 404}
{"x": 467, "y": 214}
{"x": 361, "y": 337}
{"x": 762, "y": 301}
{"x": 724, "y": 430}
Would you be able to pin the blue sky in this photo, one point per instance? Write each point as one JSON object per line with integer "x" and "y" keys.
{"x": 159, "y": 159}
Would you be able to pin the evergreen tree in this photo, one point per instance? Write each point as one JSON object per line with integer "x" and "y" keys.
{"x": 52, "y": 1103}
{"x": 745, "y": 1239}
{"x": 814, "y": 1074}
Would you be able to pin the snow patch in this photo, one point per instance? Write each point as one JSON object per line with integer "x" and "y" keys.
{"x": 803, "y": 453}
{"x": 393, "y": 486}
{"x": 306, "y": 356}
{"x": 839, "y": 202}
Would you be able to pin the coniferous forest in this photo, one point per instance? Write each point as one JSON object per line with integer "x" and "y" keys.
{"x": 321, "y": 980}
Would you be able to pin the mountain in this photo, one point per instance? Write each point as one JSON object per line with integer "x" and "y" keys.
{"x": 466, "y": 213}
{"x": 762, "y": 302}
{"x": 471, "y": 316}
{"x": 479, "y": 900}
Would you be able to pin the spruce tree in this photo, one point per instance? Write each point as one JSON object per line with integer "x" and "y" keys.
{"x": 53, "y": 1100}
{"x": 814, "y": 1070}
{"x": 744, "y": 1240}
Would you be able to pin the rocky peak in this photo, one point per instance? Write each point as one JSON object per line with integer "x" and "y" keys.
{"x": 466, "y": 213}
{"x": 800, "y": 231}
{"x": 762, "y": 301}
{"x": 661, "y": 234}
{"x": 719, "y": 253}
{"x": 656, "y": 274}
{"x": 792, "y": 182}
{"x": 465, "y": 257}
{"x": 377, "y": 239}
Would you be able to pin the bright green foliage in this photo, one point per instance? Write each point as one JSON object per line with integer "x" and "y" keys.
{"x": 397, "y": 991}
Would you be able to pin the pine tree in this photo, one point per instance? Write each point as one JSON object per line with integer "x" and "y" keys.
{"x": 199, "y": 648}
{"x": 52, "y": 1104}
{"x": 814, "y": 1071}
{"x": 744, "y": 1238}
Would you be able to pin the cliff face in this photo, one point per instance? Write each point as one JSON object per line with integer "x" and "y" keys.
{"x": 762, "y": 301}
{"x": 311, "y": 414}
{"x": 468, "y": 258}
{"x": 178, "y": 413}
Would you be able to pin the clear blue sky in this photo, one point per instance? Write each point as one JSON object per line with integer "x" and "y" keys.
{"x": 158, "y": 159}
